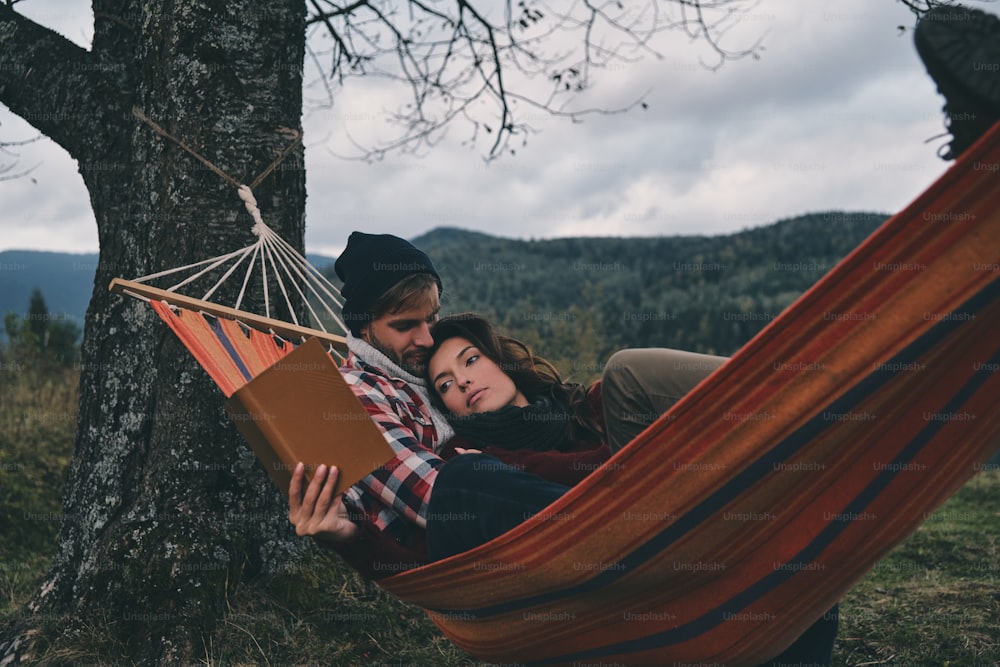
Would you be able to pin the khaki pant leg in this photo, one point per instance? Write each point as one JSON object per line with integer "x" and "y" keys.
{"x": 639, "y": 385}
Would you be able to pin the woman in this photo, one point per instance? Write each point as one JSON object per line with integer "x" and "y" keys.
{"x": 499, "y": 393}
{"x": 505, "y": 401}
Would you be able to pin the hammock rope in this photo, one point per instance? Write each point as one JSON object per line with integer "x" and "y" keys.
{"x": 270, "y": 255}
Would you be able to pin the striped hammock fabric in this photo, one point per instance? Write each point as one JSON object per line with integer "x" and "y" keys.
{"x": 247, "y": 352}
{"x": 737, "y": 519}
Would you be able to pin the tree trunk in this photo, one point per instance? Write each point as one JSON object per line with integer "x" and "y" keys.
{"x": 165, "y": 505}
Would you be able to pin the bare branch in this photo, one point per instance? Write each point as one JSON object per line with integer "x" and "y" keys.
{"x": 481, "y": 61}
{"x": 921, "y": 7}
{"x": 5, "y": 170}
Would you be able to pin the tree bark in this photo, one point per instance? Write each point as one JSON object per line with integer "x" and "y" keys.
{"x": 164, "y": 503}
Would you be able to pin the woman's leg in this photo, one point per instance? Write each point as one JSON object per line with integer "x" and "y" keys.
{"x": 641, "y": 384}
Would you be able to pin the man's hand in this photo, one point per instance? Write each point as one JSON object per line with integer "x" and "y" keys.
{"x": 317, "y": 513}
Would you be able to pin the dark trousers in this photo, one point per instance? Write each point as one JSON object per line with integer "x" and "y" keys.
{"x": 476, "y": 498}
{"x": 815, "y": 647}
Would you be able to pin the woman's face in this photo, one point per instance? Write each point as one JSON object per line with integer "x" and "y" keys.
{"x": 468, "y": 381}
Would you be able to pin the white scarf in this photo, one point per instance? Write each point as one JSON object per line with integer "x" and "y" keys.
{"x": 374, "y": 357}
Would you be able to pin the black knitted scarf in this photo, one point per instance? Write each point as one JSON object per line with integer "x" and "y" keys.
{"x": 542, "y": 425}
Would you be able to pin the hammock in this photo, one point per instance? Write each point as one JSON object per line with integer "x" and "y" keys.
{"x": 232, "y": 345}
{"x": 737, "y": 519}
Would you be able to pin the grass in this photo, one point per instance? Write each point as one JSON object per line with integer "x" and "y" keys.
{"x": 346, "y": 621}
{"x": 37, "y": 423}
{"x": 934, "y": 601}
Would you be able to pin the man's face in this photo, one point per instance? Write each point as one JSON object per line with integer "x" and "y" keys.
{"x": 405, "y": 337}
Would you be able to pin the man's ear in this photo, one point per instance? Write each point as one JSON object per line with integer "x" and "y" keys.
{"x": 366, "y": 333}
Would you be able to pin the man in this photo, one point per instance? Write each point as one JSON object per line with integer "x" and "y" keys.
{"x": 391, "y": 521}
{"x": 391, "y": 299}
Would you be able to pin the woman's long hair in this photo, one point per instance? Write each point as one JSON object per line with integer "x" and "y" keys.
{"x": 532, "y": 375}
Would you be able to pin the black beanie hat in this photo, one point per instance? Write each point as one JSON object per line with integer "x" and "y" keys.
{"x": 369, "y": 266}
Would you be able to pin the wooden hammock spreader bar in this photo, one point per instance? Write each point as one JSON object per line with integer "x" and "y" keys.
{"x": 283, "y": 329}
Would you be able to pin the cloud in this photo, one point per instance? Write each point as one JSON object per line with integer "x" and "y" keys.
{"x": 834, "y": 115}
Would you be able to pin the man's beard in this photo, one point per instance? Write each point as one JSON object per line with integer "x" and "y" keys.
{"x": 414, "y": 361}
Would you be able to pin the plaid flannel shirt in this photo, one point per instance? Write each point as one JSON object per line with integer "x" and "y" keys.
{"x": 396, "y": 495}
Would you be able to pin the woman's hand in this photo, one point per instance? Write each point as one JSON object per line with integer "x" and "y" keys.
{"x": 460, "y": 450}
{"x": 317, "y": 513}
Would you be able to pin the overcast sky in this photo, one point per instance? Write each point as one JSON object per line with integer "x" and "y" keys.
{"x": 834, "y": 115}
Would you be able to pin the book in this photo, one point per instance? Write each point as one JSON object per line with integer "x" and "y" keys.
{"x": 302, "y": 409}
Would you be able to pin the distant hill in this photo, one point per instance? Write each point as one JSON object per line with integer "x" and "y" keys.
{"x": 574, "y": 299}
{"x": 66, "y": 281}
{"x": 320, "y": 261}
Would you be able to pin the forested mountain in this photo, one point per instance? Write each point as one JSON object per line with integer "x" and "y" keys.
{"x": 576, "y": 300}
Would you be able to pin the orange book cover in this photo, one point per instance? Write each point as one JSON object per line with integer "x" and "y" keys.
{"x": 301, "y": 409}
